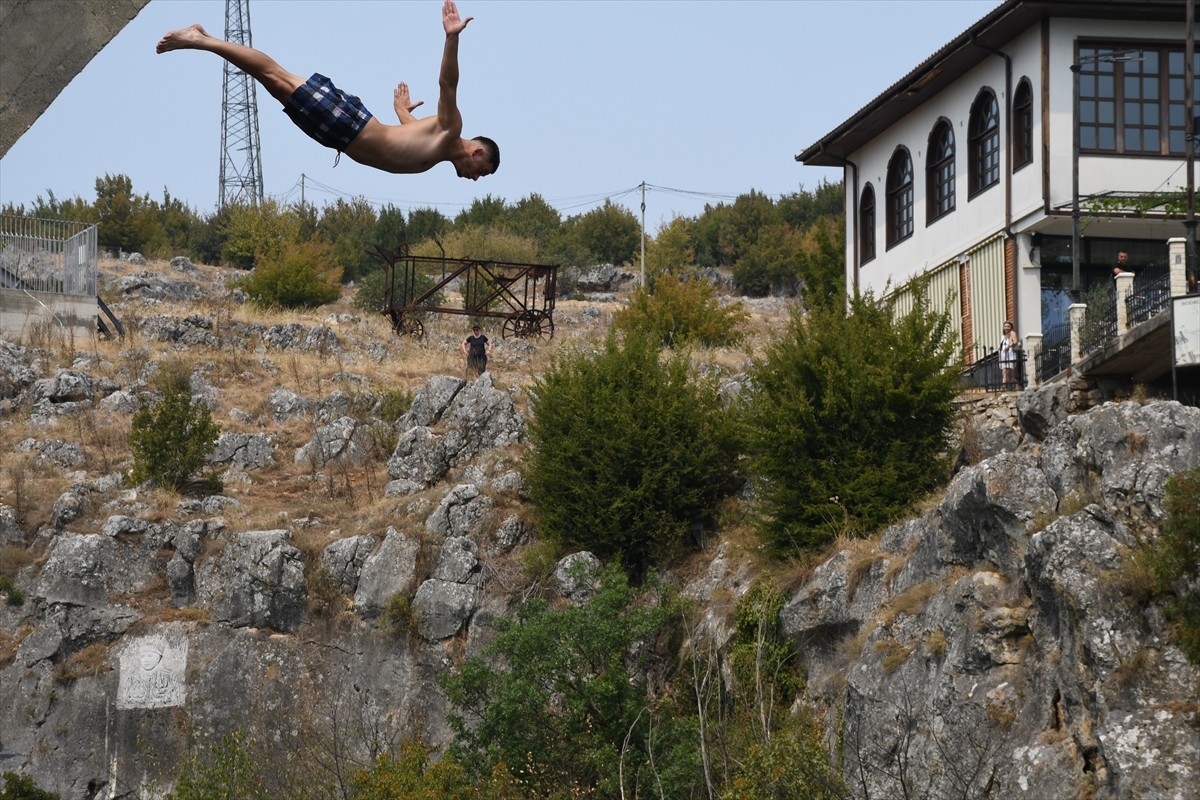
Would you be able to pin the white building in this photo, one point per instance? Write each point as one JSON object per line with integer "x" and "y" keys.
{"x": 962, "y": 171}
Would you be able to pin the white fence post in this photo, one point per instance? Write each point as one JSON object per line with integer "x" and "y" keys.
{"x": 1177, "y": 258}
{"x": 1033, "y": 353}
{"x": 1123, "y": 283}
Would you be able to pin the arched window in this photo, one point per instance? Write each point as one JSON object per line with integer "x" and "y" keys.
{"x": 939, "y": 172}
{"x": 866, "y": 223}
{"x": 984, "y": 132}
{"x": 899, "y": 197}
{"x": 1022, "y": 125}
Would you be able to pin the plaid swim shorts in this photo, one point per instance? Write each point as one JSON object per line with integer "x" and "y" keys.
{"x": 326, "y": 113}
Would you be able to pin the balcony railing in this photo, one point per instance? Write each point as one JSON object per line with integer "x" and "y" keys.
{"x": 988, "y": 373}
{"x": 1112, "y": 309}
{"x": 1151, "y": 294}
{"x": 1055, "y": 355}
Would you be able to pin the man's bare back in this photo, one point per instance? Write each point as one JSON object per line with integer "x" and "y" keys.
{"x": 338, "y": 120}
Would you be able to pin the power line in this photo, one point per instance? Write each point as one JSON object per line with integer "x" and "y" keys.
{"x": 563, "y": 204}
{"x": 693, "y": 193}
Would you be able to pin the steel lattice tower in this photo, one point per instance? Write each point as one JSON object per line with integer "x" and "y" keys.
{"x": 241, "y": 162}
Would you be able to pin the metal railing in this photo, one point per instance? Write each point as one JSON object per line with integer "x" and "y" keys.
{"x": 48, "y": 255}
{"x": 989, "y": 373}
{"x": 1055, "y": 355}
{"x": 1151, "y": 294}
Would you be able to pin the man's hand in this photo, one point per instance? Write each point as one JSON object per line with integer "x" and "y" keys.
{"x": 403, "y": 103}
{"x": 450, "y": 19}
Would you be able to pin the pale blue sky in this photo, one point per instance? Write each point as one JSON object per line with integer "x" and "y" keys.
{"x": 586, "y": 98}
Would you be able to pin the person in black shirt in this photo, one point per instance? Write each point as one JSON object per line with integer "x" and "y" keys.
{"x": 476, "y": 348}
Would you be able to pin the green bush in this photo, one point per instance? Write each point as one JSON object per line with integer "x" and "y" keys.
{"x": 610, "y": 233}
{"x": 560, "y": 698}
{"x": 771, "y": 262}
{"x": 630, "y": 456}
{"x": 13, "y": 596}
{"x": 482, "y": 243}
{"x": 393, "y": 404}
{"x": 22, "y": 787}
{"x": 791, "y": 764}
{"x": 1175, "y": 560}
{"x": 849, "y": 420}
{"x": 398, "y": 616}
{"x": 414, "y": 774}
{"x": 300, "y": 276}
{"x": 676, "y": 312}
{"x": 776, "y": 752}
{"x": 253, "y": 234}
{"x": 230, "y": 767}
{"x": 171, "y": 439}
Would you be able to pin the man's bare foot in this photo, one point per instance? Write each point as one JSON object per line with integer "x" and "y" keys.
{"x": 189, "y": 38}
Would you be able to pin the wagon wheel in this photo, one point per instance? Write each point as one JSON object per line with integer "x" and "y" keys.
{"x": 514, "y": 327}
{"x": 410, "y": 326}
{"x": 542, "y": 325}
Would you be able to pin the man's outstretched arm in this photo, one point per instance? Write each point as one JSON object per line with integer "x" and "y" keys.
{"x": 449, "y": 118}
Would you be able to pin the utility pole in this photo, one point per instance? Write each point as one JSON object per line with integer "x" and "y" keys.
{"x": 1189, "y": 107}
{"x": 643, "y": 234}
{"x": 241, "y": 164}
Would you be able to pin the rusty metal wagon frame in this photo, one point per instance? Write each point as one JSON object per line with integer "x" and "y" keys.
{"x": 522, "y": 295}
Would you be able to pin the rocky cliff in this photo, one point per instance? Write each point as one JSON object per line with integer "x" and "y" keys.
{"x": 990, "y": 647}
{"x": 995, "y": 647}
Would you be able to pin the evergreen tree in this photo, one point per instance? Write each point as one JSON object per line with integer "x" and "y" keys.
{"x": 849, "y": 419}
{"x": 172, "y": 438}
{"x": 630, "y": 455}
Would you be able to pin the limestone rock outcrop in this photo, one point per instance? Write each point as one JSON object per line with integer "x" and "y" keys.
{"x": 988, "y": 644}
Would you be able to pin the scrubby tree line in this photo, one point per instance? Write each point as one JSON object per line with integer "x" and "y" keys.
{"x": 769, "y": 244}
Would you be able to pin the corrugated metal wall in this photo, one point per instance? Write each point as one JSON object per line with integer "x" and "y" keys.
{"x": 987, "y": 294}
{"x": 986, "y": 281}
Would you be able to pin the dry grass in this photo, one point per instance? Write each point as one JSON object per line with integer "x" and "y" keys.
{"x": 30, "y": 489}
{"x": 90, "y": 661}
{"x": 13, "y": 559}
{"x": 1136, "y": 666}
{"x": 911, "y": 601}
{"x": 151, "y": 621}
{"x": 859, "y": 566}
{"x": 11, "y": 642}
{"x": 892, "y": 654}
{"x": 345, "y": 500}
{"x": 936, "y": 644}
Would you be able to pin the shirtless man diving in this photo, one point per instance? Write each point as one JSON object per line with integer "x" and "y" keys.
{"x": 338, "y": 120}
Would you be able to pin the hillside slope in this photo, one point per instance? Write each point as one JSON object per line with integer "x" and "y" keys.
{"x": 988, "y": 648}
